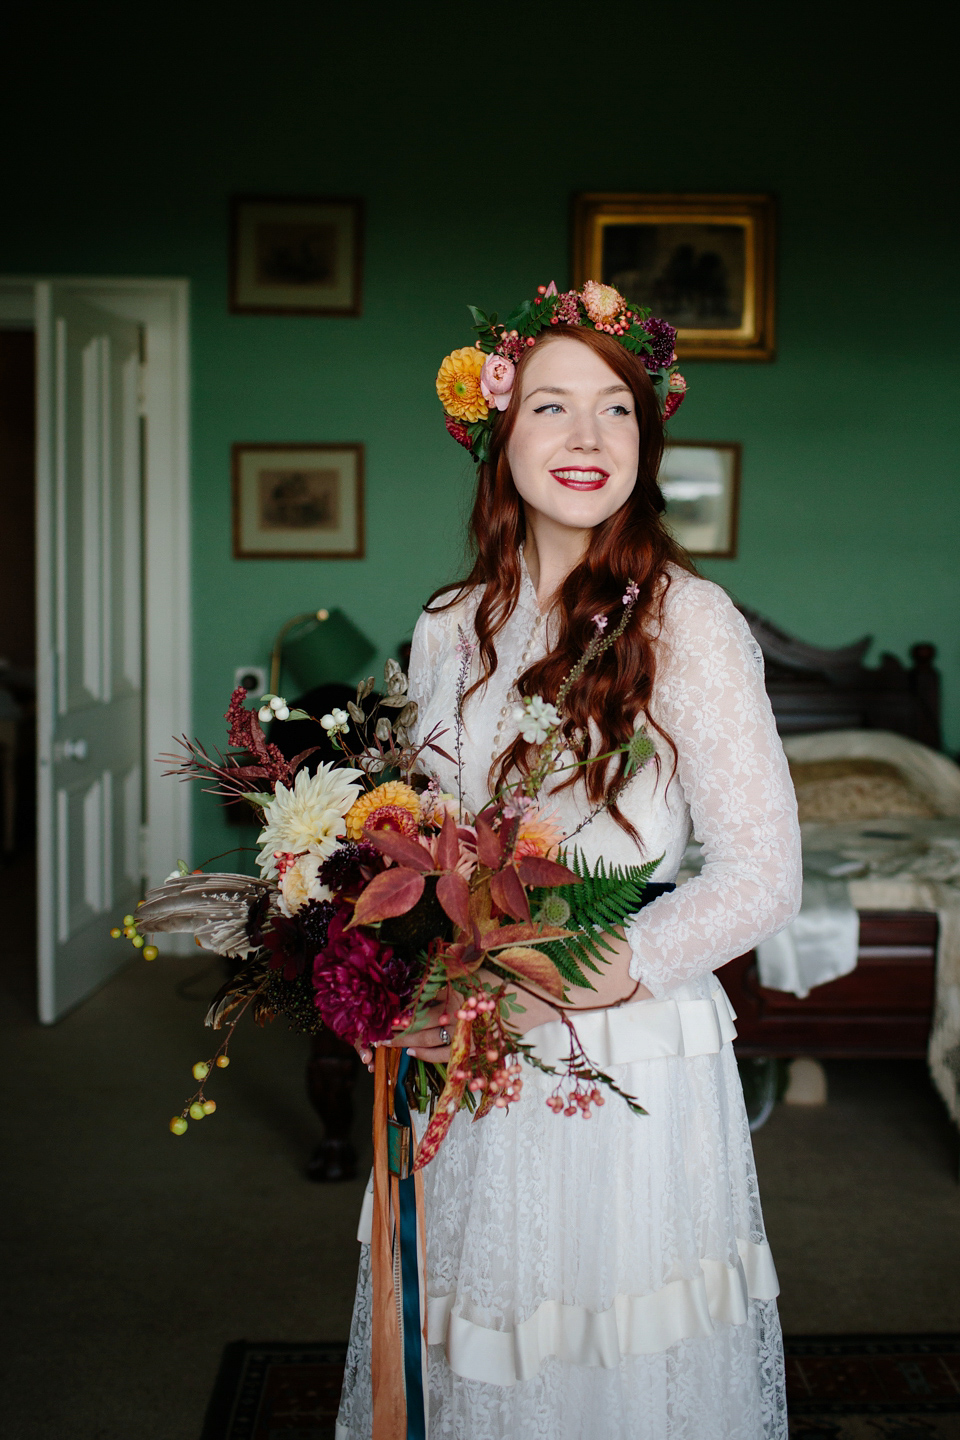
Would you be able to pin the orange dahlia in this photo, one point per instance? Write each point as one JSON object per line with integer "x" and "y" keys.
{"x": 393, "y": 806}
{"x": 538, "y": 835}
{"x": 458, "y": 384}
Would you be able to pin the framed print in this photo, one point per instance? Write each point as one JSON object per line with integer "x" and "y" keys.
{"x": 700, "y": 480}
{"x": 298, "y": 502}
{"x": 705, "y": 263}
{"x": 295, "y": 257}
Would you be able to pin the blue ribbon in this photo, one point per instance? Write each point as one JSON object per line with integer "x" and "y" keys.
{"x": 409, "y": 1277}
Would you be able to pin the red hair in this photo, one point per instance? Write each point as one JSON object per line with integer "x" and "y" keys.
{"x": 631, "y": 545}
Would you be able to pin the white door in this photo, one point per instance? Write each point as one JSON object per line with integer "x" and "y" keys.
{"x": 89, "y": 667}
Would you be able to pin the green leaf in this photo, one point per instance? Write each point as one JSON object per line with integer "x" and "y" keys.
{"x": 599, "y": 905}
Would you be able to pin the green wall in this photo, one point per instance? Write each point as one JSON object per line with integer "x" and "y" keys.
{"x": 466, "y": 131}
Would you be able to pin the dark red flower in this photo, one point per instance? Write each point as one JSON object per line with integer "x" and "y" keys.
{"x": 351, "y": 867}
{"x": 293, "y": 942}
{"x": 359, "y": 986}
{"x": 459, "y": 432}
{"x": 663, "y": 338}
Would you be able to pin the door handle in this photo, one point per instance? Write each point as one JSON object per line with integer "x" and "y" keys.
{"x": 70, "y": 750}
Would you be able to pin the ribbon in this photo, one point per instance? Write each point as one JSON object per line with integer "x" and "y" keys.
{"x": 398, "y": 1327}
{"x": 389, "y": 1401}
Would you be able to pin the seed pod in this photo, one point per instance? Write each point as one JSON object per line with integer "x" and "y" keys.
{"x": 355, "y": 713}
{"x": 384, "y": 731}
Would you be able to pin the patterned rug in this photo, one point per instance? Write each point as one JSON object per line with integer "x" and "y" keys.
{"x": 839, "y": 1387}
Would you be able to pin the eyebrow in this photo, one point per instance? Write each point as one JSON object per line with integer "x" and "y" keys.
{"x": 558, "y": 390}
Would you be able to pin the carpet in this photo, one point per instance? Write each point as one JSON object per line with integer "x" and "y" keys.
{"x": 839, "y": 1387}
{"x": 275, "y": 1391}
{"x": 873, "y": 1387}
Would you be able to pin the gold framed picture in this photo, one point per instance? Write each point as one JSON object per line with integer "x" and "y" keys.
{"x": 295, "y": 256}
{"x": 297, "y": 502}
{"x": 700, "y": 480}
{"x": 705, "y": 263}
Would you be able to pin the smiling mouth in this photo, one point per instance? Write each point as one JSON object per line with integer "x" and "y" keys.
{"x": 581, "y": 479}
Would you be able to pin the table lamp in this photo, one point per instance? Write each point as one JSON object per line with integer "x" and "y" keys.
{"x": 318, "y": 647}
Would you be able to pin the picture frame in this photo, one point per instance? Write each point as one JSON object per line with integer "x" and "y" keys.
{"x": 297, "y": 501}
{"x": 295, "y": 255}
{"x": 705, "y": 263}
{"x": 700, "y": 480}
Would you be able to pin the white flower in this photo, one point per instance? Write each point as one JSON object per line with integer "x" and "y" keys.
{"x": 307, "y": 819}
{"x": 336, "y": 723}
{"x": 299, "y": 884}
{"x": 273, "y": 707}
{"x": 536, "y": 718}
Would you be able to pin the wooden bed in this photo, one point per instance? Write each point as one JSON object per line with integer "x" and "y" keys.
{"x": 884, "y": 1008}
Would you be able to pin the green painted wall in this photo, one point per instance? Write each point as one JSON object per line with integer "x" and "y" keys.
{"x": 466, "y": 131}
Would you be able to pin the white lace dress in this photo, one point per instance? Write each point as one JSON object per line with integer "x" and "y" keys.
{"x": 611, "y": 1280}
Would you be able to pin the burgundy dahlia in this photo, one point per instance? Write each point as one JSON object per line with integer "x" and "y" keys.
{"x": 663, "y": 337}
{"x": 359, "y": 986}
{"x": 351, "y": 867}
{"x": 459, "y": 432}
{"x": 293, "y": 942}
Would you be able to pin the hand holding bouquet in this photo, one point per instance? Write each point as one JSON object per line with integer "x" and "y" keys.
{"x": 379, "y": 895}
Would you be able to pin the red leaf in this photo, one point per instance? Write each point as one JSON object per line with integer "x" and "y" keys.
{"x": 401, "y": 848}
{"x": 437, "y": 750}
{"x": 488, "y": 845}
{"x": 522, "y": 934}
{"x": 453, "y": 892}
{"x": 531, "y": 965}
{"x": 393, "y": 892}
{"x": 509, "y": 894}
{"x": 448, "y": 851}
{"x": 535, "y": 870}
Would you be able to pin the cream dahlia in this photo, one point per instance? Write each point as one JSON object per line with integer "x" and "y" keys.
{"x": 300, "y": 883}
{"x": 458, "y": 384}
{"x": 307, "y": 818}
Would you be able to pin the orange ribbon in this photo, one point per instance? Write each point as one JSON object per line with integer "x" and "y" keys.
{"x": 389, "y": 1395}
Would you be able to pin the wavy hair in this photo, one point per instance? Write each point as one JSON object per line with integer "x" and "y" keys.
{"x": 633, "y": 544}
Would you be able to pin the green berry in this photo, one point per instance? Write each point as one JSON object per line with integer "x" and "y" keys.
{"x": 138, "y": 941}
{"x": 201, "y": 1070}
{"x": 223, "y": 1061}
{"x": 128, "y": 919}
{"x": 178, "y": 1125}
{"x": 150, "y": 952}
{"x": 115, "y": 933}
{"x": 196, "y": 1111}
{"x": 209, "y": 1106}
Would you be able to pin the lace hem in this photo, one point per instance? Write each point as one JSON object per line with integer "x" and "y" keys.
{"x": 634, "y": 1324}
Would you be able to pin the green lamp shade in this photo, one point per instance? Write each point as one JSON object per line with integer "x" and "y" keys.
{"x": 327, "y": 650}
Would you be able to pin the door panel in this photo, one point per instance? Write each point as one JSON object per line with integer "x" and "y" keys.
{"x": 89, "y": 567}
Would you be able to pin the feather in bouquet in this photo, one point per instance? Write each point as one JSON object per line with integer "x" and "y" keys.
{"x": 380, "y": 897}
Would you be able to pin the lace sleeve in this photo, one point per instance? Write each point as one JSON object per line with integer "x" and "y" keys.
{"x": 426, "y": 649}
{"x": 710, "y": 698}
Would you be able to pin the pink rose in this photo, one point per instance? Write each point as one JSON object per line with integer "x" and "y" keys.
{"x": 496, "y": 380}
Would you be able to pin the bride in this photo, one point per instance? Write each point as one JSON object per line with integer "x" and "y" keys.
{"x": 607, "y": 1281}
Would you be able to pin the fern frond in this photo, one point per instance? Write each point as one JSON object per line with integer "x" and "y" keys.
{"x": 599, "y": 905}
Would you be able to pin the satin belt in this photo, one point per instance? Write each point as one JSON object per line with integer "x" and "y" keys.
{"x": 633, "y": 1324}
{"x": 643, "y": 1030}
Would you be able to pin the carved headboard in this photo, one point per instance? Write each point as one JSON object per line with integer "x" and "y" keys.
{"x": 813, "y": 689}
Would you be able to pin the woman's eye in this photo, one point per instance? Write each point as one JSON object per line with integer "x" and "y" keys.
{"x": 552, "y": 408}
{"x": 618, "y": 410}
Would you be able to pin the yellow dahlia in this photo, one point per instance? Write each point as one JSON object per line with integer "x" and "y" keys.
{"x": 393, "y": 806}
{"x": 458, "y": 384}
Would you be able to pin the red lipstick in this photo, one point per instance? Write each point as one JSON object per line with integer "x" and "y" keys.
{"x": 581, "y": 477}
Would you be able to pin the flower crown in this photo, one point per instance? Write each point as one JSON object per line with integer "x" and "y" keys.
{"x": 475, "y": 382}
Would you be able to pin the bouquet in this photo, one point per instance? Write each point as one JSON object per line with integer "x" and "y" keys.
{"x": 379, "y": 896}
